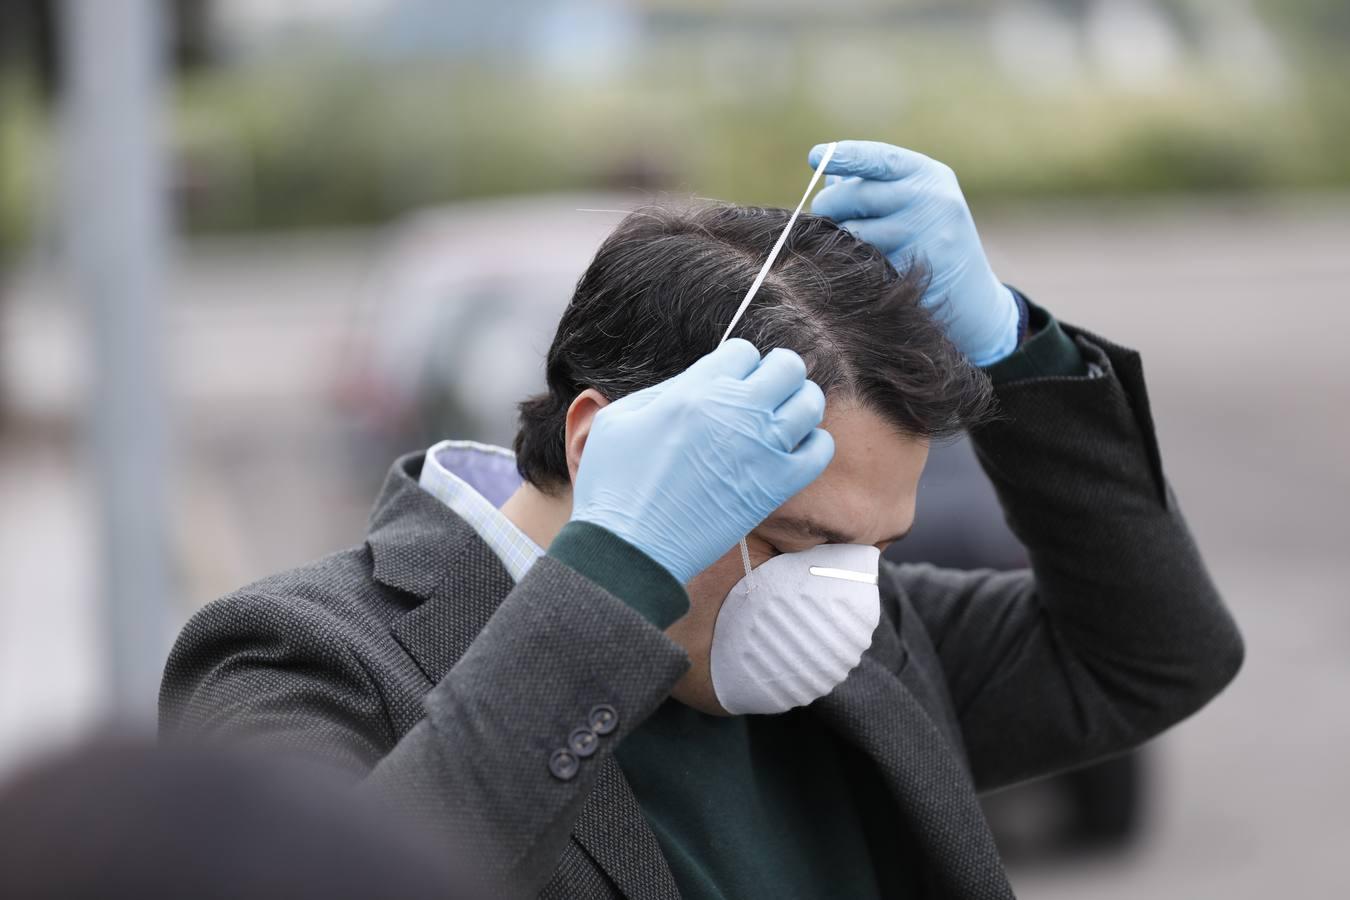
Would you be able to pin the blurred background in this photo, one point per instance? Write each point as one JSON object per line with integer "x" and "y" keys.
{"x": 249, "y": 251}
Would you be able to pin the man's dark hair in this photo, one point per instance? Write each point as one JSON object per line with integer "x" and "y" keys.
{"x": 666, "y": 282}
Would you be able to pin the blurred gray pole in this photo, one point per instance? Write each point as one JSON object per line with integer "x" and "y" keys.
{"x": 115, "y": 229}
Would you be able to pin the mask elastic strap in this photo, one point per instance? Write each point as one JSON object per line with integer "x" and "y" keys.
{"x": 764, "y": 272}
{"x": 782, "y": 239}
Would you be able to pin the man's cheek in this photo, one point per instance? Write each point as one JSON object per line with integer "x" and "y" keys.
{"x": 707, "y": 592}
{"x": 708, "y": 589}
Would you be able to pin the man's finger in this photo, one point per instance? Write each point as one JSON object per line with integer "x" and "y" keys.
{"x": 779, "y": 376}
{"x": 811, "y": 458}
{"x": 796, "y": 416}
{"x": 862, "y": 199}
{"x": 736, "y": 358}
{"x": 869, "y": 159}
{"x": 890, "y": 234}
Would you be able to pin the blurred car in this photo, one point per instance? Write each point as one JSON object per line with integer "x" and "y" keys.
{"x": 452, "y": 334}
{"x": 453, "y": 327}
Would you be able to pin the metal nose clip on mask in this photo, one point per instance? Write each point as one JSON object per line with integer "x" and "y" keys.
{"x": 791, "y": 630}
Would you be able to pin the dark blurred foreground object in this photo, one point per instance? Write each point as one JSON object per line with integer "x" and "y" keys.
{"x": 121, "y": 819}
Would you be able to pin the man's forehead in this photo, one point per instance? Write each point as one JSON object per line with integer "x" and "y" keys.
{"x": 867, "y": 493}
{"x": 848, "y": 507}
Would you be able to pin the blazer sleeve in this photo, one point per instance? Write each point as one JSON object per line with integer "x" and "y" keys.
{"x": 280, "y": 671}
{"x": 1117, "y": 630}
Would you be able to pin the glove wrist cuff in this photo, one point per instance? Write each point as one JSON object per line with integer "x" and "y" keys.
{"x": 1007, "y": 336}
{"x": 623, "y": 569}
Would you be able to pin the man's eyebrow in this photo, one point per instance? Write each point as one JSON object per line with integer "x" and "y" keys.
{"x": 812, "y": 528}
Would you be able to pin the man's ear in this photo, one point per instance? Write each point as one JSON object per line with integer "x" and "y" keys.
{"x": 579, "y": 417}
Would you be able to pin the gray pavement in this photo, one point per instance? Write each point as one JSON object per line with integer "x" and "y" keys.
{"x": 1241, "y": 311}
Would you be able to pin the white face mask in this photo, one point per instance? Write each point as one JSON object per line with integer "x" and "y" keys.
{"x": 791, "y": 630}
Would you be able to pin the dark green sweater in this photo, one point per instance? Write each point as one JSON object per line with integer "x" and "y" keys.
{"x": 745, "y": 806}
{"x": 776, "y": 807}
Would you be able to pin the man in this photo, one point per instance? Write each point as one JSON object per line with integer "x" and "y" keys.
{"x": 542, "y": 668}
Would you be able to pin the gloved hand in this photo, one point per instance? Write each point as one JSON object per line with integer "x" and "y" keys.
{"x": 686, "y": 468}
{"x": 911, "y": 207}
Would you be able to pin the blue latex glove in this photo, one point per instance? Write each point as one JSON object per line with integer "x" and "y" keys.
{"x": 686, "y": 468}
{"x": 911, "y": 207}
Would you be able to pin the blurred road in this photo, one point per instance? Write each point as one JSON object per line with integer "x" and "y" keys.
{"x": 1240, "y": 311}
{"x": 1240, "y": 315}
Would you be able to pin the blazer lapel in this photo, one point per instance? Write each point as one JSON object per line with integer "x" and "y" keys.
{"x": 474, "y": 583}
{"x": 420, "y": 546}
{"x": 875, "y": 712}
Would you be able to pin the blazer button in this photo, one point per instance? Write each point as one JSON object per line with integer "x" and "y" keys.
{"x": 563, "y": 764}
{"x": 582, "y": 742}
{"x": 603, "y": 719}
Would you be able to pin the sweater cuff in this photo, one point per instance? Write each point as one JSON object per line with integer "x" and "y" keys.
{"x": 1047, "y": 351}
{"x": 622, "y": 569}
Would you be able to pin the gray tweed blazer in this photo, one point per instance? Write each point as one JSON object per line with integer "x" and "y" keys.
{"x": 413, "y": 661}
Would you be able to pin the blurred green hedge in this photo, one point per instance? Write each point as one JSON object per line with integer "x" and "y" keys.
{"x": 318, "y": 143}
